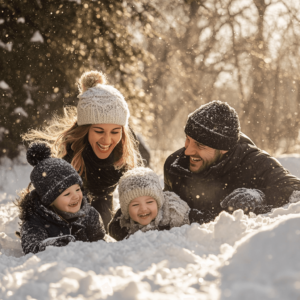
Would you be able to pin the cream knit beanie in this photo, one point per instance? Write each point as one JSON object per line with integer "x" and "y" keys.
{"x": 100, "y": 103}
{"x": 136, "y": 183}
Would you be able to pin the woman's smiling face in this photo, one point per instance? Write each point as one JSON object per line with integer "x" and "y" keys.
{"x": 104, "y": 138}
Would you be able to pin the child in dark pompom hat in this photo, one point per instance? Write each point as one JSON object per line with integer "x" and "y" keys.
{"x": 55, "y": 212}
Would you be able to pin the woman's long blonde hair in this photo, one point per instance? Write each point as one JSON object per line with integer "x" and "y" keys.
{"x": 64, "y": 131}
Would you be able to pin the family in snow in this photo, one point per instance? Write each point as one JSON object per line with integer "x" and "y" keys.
{"x": 80, "y": 159}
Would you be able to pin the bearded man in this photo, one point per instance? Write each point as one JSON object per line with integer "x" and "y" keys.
{"x": 220, "y": 168}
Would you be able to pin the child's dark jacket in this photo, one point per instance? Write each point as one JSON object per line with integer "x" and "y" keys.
{"x": 40, "y": 223}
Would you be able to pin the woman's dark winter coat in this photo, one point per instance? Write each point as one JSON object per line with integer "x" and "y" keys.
{"x": 245, "y": 166}
{"x": 40, "y": 223}
{"x": 100, "y": 181}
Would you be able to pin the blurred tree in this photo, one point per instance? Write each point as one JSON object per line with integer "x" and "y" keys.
{"x": 167, "y": 57}
{"x": 46, "y": 45}
{"x": 242, "y": 52}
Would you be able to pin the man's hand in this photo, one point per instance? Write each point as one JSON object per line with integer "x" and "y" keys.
{"x": 245, "y": 199}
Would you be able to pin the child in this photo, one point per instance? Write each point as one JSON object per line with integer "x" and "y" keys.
{"x": 55, "y": 212}
{"x": 144, "y": 206}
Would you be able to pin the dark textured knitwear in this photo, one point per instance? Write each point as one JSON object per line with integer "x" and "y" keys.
{"x": 100, "y": 179}
{"x": 215, "y": 125}
{"x": 50, "y": 176}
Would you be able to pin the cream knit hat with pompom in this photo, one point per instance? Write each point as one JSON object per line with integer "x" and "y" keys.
{"x": 136, "y": 183}
{"x": 100, "y": 103}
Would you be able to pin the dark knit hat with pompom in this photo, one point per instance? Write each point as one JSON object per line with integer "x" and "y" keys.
{"x": 215, "y": 125}
{"x": 50, "y": 176}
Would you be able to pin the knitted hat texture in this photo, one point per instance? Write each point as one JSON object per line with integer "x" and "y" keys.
{"x": 100, "y": 103}
{"x": 50, "y": 176}
{"x": 215, "y": 125}
{"x": 136, "y": 183}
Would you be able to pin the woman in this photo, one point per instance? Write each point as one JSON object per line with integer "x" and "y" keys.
{"x": 95, "y": 139}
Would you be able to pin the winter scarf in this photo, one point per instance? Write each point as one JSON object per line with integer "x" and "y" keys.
{"x": 101, "y": 179}
{"x": 68, "y": 215}
{"x": 100, "y": 172}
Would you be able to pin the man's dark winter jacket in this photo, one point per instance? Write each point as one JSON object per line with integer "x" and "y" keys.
{"x": 40, "y": 223}
{"x": 100, "y": 181}
{"x": 245, "y": 166}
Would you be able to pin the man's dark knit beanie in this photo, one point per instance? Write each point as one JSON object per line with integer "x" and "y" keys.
{"x": 215, "y": 125}
{"x": 50, "y": 176}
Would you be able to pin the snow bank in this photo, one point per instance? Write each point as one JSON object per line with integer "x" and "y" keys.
{"x": 291, "y": 162}
{"x": 266, "y": 264}
{"x": 234, "y": 257}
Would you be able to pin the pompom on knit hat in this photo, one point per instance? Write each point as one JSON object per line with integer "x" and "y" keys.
{"x": 215, "y": 125}
{"x": 100, "y": 103}
{"x": 136, "y": 183}
{"x": 50, "y": 176}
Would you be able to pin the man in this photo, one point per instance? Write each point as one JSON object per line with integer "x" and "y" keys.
{"x": 220, "y": 168}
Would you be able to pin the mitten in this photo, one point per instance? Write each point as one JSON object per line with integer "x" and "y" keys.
{"x": 59, "y": 241}
{"x": 245, "y": 199}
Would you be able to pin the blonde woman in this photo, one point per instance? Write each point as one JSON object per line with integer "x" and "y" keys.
{"x": 95, "y": 139}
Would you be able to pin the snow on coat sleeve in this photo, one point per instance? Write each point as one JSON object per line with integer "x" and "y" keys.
{"x": 32, "y": 236}
{"x": 114, "y": 227}
{"x": 94, "y": 229}
{"x": 274, "y": 181}
{"x": 178, "y": 210}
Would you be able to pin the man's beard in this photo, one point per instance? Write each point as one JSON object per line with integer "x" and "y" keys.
{"x": 206, "y": 164}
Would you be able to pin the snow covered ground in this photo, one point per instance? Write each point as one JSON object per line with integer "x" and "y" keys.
{"x": 235, "y": 257}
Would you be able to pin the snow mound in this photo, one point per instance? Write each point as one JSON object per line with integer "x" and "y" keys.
{"x": 266, "y": 265}
{"x": 291, "y": 162}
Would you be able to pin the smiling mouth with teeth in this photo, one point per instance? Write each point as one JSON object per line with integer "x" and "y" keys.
{"x": 103, "y": 147}
{"x": 74, "y": 204}
{"x": 144, "y": 216}
{"x": 195, "y": 159}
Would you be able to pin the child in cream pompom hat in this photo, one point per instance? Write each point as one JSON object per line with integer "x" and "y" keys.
{"x": 144, "y": 206}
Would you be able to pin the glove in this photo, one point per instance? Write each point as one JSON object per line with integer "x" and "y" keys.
{"x": 245, "y": 199}
{"x": 59, "y": 241}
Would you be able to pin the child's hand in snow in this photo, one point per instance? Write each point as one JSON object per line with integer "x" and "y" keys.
{"x": 59, "y": 241}
{"x": 245, "y": 199}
